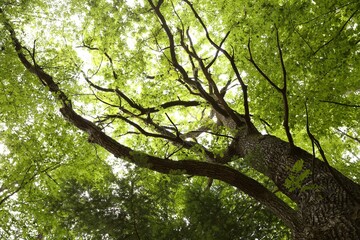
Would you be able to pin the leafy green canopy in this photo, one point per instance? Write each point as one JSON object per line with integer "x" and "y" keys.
{"x": 54, "y": 183}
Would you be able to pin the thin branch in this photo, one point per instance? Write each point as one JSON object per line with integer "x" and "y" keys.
{"x": 129, "y": 101}
{"x": 322, "y": 153}
{"x": 174, "y": 138}
{"x": 170, "y": 36}
{"x": 224, "y": 89}
{"x": 141, "y": 130}
{"x": 281, "y": 60}
{"x": 349, "y": 136}
{"x": 251, "y": 127}
{"x": 312, "y": 142}
{"x": 174, "y": 125}
{"x": 338, "y": 33}
{"x": 178, "y": 17}
{"x": 341, "y": 104}
{"x": 97, "y": 87}
{"x": 103, "y": 101}
{"x": 189, "y": 134}
{"x": 197, "y": 83}
{"x": 265, "y": 123}
{"x": 188, "y": 88}
{"x": 21, "y": 185}
{"x": 267, "y": 78}
{"x": 177, "y": 139}
{"x": 26, "y": 180}
{"x": 175, "y": 62}
{"x": 302, "y": 38}
{"x": 328, "y": 12}
{"x": 218, "y": 51}
{"x": 84, "y": 45}
{"x": 228, "y": 111}
{"x": 284, "y": 93}
{"x": 137, "y": 106}
{"x": 174, "y": 152}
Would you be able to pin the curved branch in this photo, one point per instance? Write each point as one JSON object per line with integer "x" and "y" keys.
{"x": 190, "y": 167}
{"x": 252, "y": 61}
{"x": 143, "y": 131}
{"x": 177, "y": 139}
{"x": 175, "y": 62}
{"x": 216, "y": 171}
{"x": 168, "y": 32}
{"x": 143, "y": 110}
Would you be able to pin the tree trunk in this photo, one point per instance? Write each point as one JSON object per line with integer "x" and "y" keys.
{"x": 328, "y": 210}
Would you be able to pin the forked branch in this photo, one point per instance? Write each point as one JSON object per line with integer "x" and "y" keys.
{"x": 282, "y": 91}
{"x": 162, "y": 165}
{"x": 231, "y": 59}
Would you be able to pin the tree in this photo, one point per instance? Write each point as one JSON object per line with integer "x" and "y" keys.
{"x": 263, "y": 97}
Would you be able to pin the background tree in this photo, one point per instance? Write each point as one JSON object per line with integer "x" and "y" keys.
{"x": 263, "y": 97}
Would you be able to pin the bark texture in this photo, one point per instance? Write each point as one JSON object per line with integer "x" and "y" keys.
{"x": 330, "y": 210}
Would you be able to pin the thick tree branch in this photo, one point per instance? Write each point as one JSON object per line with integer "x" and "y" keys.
{"x": 167, "y": 166}
{"x": 190, "y": 167}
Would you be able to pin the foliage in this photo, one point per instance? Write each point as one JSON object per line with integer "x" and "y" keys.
{"x": 296, "y": 178}
{"x": 114, "y": 60}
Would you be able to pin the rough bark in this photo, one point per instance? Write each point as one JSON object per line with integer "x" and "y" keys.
{"x": 330, "y": 210}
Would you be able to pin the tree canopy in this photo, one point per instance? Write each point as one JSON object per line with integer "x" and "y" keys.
{"x": 179, "y": 119}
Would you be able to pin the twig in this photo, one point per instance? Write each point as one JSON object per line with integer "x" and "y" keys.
{"x": 341, "y": 104}
{"x": 338, "y": 33}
